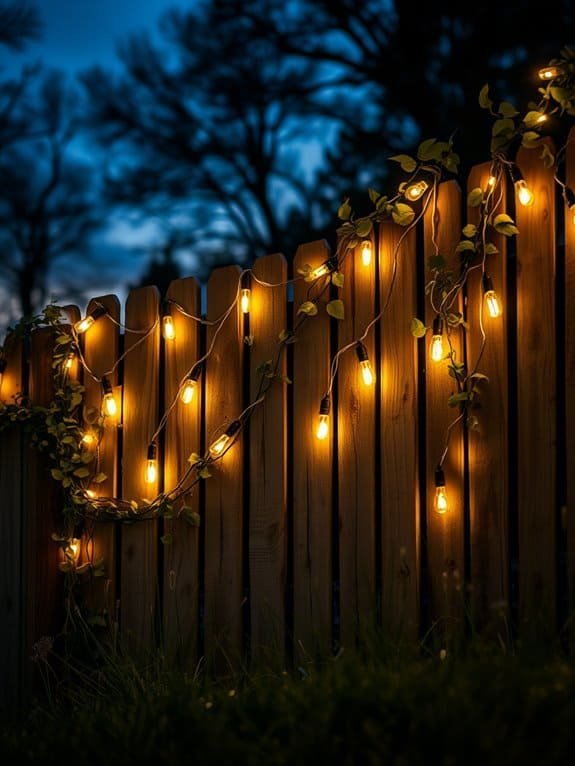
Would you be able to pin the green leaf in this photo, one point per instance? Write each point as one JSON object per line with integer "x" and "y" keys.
{"x": 99, "y": 478}
{"x": 484, "y": 101}
{"x": 373, "y": 195}
{"x": 418, "y": 329}
{"x": 504, "y": 224}
{"x": 408, "y": 164}
{"x": 337, "y": 278}
{"x": 402, "y": 214}
{"x": 475, "y": 197}
{"x": 530, "y": 139}
{"x": 507, "y": 109}
{"x": 364, "y": 227}
{"x": 547, "y": 156}
{"x": 57, "y": 474}
{"x": 335, "y": 309}
{"x": 192, "y": 517}
{"x": 479, "y": 376}
{"x": 490, "y": 249}
{"x": 465, "y": 244}
{"x": 436, "y": 262}
{"x": 533, "y": 118}
{"x": 82, "y": 473}
{"x": 344, "y": 212}
{"x": 503, "y": 127}
{"x": 308, "y": 307}
{"x": 75, "y": 400}
{"x": 456, "y": 399}
{"x": 204, "y": 473}
{"x": 470, "y": 230}
{"x": 167, "y": 539}
{"x": 194, "y": 458}
{"x": 427, "y": 149}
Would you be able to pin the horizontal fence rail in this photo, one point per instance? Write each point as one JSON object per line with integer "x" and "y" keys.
{"x": 306, "y": 545}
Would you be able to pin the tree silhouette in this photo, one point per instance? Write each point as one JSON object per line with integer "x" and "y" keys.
{"x": 19, "y": 22}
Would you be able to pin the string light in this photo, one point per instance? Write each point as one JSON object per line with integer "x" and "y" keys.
{"x": 70, "y": 360}
{"x": 88, "y": 439}
{"x": 220, "y": 444}
{"x": 72, "y": 550}
{"x": 168, "y": 329}
{"x": 321, "y": 270}
{"x": 440, "y": 500}
{"x": 245, "y": 300}
{"x": 189, "y": 387}
{"x": 491, "y": 299}
{"x": 491, "y": 181}
{"x": 109, "y": 406}
{"x": 416, "y": 191}
{"x": 84, "y": 324}
{"x": 322, "y": 429}
{"x": 550, "y": 72}
{"x": 152, "y": 464}
{"x": 569, "y": 197}
{"x": 364, "y": 363}
{"x": 366, "y": 252}
{"x": 436, "y": 346}
{"x": 524, "y": 193}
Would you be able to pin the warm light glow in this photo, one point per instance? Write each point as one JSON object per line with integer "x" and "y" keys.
{"x": 245, "y": 300}
{"x": 549, "y": 72}
{"x": 3, "y": 365}
{"x": 436, "y": 348}
{"x": 168, "y": 328}
{"x": 542, "y": 118}
{"x": 219, "y": 445}
{"x": 84, "y": 324}
{"x": 321, "y": 271}
{"x": 440, "y": 500}
{"x": 187, "y": 393}
{"x": 70, "y": 360}
{"x": 415, "y": 191}
{"x": 88, "y": 439}
{"x": 366, "y": 251}
{"x": 72, "y": 550}
{"x": 322, "y": 427}
{"x": 109, "y": 405}
{"x": 524, "y": 194}
{"x": 151, "y": 471}
{"x": 491, "y": 181}
{"x": 493, "y": 305}
{"x": 366, "y": 372}
{"x": 91, "y": 494}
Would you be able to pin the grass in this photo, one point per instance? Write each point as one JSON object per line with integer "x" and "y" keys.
{"x": 486, "y": 707}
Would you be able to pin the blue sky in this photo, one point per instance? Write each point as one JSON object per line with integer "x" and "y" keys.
{"x": 80, "y": 33}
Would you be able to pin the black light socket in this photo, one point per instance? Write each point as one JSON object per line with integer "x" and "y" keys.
{"x": 325, "y": 405}
{"x": 361, "y": 352}
{"x": 438, "y": 325}
{"x": 439, "y": 477}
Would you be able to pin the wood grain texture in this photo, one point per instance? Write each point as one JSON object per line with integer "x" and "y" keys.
{"x": 182, "y": 438}
{"x": 488, "y": 445}
{"x": 139, "y": 564}
{"x": 101, "y": 352}
{"x": 399, "y": 457}
{"x": 224, "y": 490}
{"x": 536, "y": 398}
{"x": 268, "y": 461}
{"x": 444, "y": 531}
{"x": 569, "y": 512}
{"x": 356, "y": 434}
{"x": 312, "y": 460}
{"x": 11, "y": 540}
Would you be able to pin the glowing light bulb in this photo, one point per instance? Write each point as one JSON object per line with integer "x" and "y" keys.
{"x": 436, "y": 347}
{"x": 550, "y": 72}
{"x": 366, "y": 251}
{"x": 152, "y": 464}
{"x": 416, "y": 191}
{"x": 109, "y": 406}
{"x": 84, "y": 324}
{"x": 491, "y": 299}
{"x": 542, "y": 118}
{"x": 88, "y": 439}
{"x": 320, "y": 271}
{"x": 168, "y": 329}
{"x": 91, "y": 494}
{"x": 524, "y": 193}
{"x": 70, "y": 360}
{"x": 72, "y": 550}
{"x": 245, "y": 300}
{"x": 491, "y": 181}
{"x": 322, "y": 429}
{"x": 365, "y": 364}
{"x": 187, "y": 393}
{"x": 218, "y": 447}
{"x": 440, "y": 500}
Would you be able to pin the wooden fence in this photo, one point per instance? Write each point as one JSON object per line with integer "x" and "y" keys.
{"x": 304, "y": 544}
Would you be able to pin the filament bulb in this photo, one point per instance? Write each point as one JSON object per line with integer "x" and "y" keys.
{"x": 321, "y": 271}
{"x": 436, "y": 346}
{"x": 415, "y": 191}
{"x": 70, "y": 360}
{"x": 524, "y": 193}
{"x": 72, "y": 549}
{"x": 88, "y": 439}
{"x": 187, "y": 394}
{"x": 84, "y": 324}
{"x": 245, "y": 300}
{"x": 491, "y": 298}
{"x": 550, "y": 72}
{"x": 152, "y": 464}
{"x": 168, "y": 328}
{"x": 365, "y": 364}
{"x": 440, "y": 500}
{"x": 322, "y": 429}
{"x": 218, "y": 447}
{"x": 491, "y": 181}
{"x": 366, "y": 251}
{"x": 109, "y": 406}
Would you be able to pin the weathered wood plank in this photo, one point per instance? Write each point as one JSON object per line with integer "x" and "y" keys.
{"x": 536, "y": 399}
{"x": 224, "y": 490}
{"x": 488, "y": 444}
{"x": 312, "y": 462}
{"x": 569, "y": 512}
{"x": 139, "y": 578}
{"x": 399, "y": 456}
{"x": 356, "y": 432}
{"x": 268, "y": 460}
{"x": 182, "y": 438}
{"x": 445, "y": 532}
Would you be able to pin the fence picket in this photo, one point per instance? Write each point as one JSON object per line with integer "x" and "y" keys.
{"x": 139, "y": 542}
{"x": 568, "y": 520}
